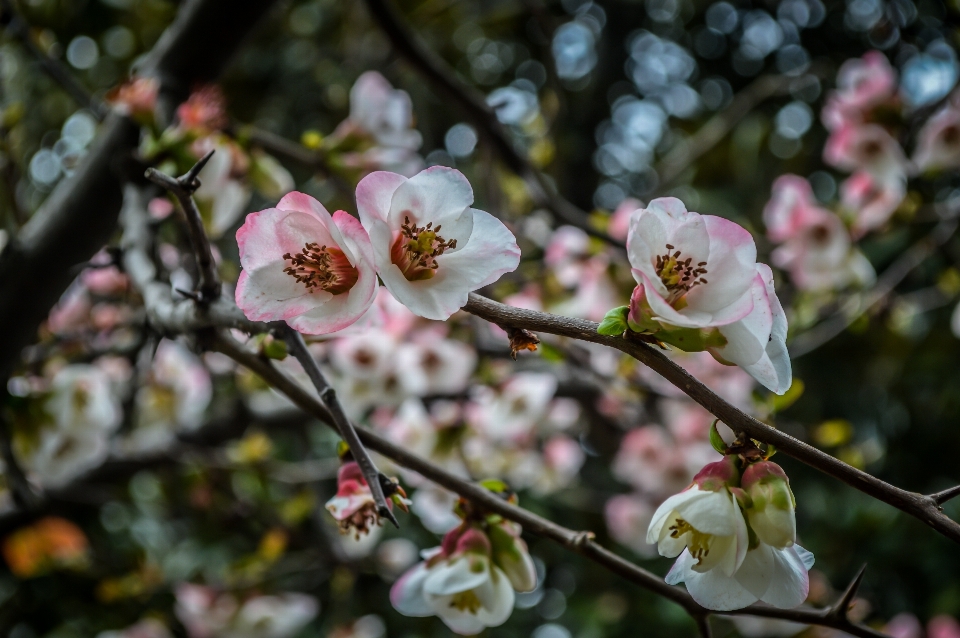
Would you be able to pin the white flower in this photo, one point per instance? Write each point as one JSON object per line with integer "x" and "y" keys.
{"x": 758, "y": 342}
{"x": 707, "y": 523}
{"x": 514, "y": 412}
{"x": 466, "y": 590}
{"x": 221, "y": 197}
{"x": 434, "y": 505}
{"x": 777, "y": 577}
{"x": 280, "y": 616}
{"x": 175, "y": 397}
{"x": 384, "y": 112}
{"x": 431, "y": 248}
{"x": 434, "y": 365}
{"x": 696, "y": 270}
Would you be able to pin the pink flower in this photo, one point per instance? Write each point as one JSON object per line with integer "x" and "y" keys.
{"x": 619, "y": 224}
{"x": 205, "y": 110}
{"x": 432, "y": 273}
{"x": 433, "y": 364}
{"x": 938, "y": 144}
{"x": 873, "y": 200}
{"x": 868, "y": 147}
{"x": 943, "y": 626}
{"x": 314, "y": 271}
{"x": 822, "y": 257}
{"x": 862, "y": 84}
{"x": 650, "y": 461}
{"x": 904, "y": 625}
{"x": 353, "y": 505}
{"x": 384, "y": 112}
{"x": 791, "y": 208}
{"x": 136, "y": 98}
{"x": 595, "y": 292}
{"x": 627, "y": 517}
{"x": 568, "y": 248}
{"x": 696, "y": 270}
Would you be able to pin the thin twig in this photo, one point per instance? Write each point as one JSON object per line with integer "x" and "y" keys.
{"x": 183, "y": 188}
{"x": 917, "y": 505}
{"x": 328, "y": 395}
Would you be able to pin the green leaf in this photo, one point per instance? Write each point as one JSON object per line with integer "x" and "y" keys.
{"x": 614, "y": 322}
{"x": 716, "y": 440}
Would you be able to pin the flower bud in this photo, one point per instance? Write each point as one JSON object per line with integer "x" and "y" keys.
{"x": 772, "y": 510}
{"x": 719, "y": 474}
{"x": 511, "y": 555}
{"x": 640, "y": 317}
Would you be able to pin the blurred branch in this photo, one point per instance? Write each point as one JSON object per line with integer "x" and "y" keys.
{"x": 917, "y": 505}
{"x": 858, "y": 305}
{"x": 580, "y": 542}
{"x": 80, "y": 215}
{"x": 472, "y": 102}
{"x": 688, "y": 151}
{"x": 183, "y": 188}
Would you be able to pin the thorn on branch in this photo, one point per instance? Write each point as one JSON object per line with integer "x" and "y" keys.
{"x": 840, "y": 608}
{"x": 521, "y": 339}
{"x": 188, "y": 294}
{"x": 941, "y": 497}
{"x": 188, "y": 181}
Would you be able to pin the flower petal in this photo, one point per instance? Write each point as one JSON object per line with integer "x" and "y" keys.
{"x": 456, "y": 576}
{"x": 407, "y": 595}
{"x": 439, "y": 195}
{"x": 713, "y": 589}
{"x": 791, "y": 583}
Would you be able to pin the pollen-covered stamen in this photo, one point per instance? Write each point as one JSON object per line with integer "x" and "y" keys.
{"x": 416, "y": 248}
{"x": 466, "y": 601}
{"x": 322, "y": 268}
{"x": 361, "y": 521}
{"x": 679, "y": 276}
{"x": 698, "y": 544}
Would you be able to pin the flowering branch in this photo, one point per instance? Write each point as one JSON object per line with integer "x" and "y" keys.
{"x": 375, "y": 479}
{"x": 183, "y": 188}
{"x": 580, "y": 542}
{"x": 917, "y": 505}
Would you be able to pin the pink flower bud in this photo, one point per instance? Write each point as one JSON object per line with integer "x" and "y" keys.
{"x": 717, "y": 475}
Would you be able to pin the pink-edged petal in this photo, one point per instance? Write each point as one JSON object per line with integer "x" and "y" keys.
{"x": 269, "y": 294}
{"x": 267, "y": 235}
{"x": 375, "y": 194}
{"x": 303, "y": 203}
{"x": 730, "y": 265}
{"x": 439, "y": 195}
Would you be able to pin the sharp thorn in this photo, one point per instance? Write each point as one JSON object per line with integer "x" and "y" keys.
{"x": 189, "y": 181}
{"x": 840, "y": 608}
{"x": 943, "y": 496}
{"x": 387, "y": 513}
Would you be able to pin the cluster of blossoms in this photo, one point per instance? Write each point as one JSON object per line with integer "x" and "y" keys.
{"x": 470, "y": 580}
{"x": 318, "y": 272}
{"x": 733, "y": 531}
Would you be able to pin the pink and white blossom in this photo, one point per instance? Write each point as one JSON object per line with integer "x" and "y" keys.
{"x": 619, "y": 225}
{"x": 862, "y": 84}
{"x": 431, "y": 248}
{"x": 938, "y": 143}
{"x": 873, "y": 201}
{"x": 303, "y": 266}
{"x": 696, "y": 270}
{"x": 208, "y": 613}
{"x": 353, "y": 506}
{"x": 866, "y": 147}
{"x": 628, "y": 516}
{"x": 791, "y": 209}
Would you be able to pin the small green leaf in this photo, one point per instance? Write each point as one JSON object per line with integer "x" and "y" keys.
{"x": 495, "y": 485}
{"x": 614, "y": 322}
{"x": 771, "y": 450}
{"x": 716, "y": 440}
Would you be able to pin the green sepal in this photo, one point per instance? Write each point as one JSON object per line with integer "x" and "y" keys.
{"x": 614, "y": 322}
{"x": 692, "y": 339}
{"x": 716, "y": 440}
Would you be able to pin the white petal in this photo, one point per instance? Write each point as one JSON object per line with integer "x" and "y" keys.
{"x": 456, "y": 576}
{"x": 716, "y": 514}
{"x": 407, "y": 595}
{"x": 668, "y": 506}
{"x": 791, "y": 583}
{"x": 439, "y": 195}
{"x": 713, "y": 590}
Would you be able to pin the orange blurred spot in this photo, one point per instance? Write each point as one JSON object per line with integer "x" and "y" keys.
{"x": 50, "y": 543}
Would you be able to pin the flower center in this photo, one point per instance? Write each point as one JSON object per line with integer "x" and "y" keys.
{"x": 322, "y": 268}
{"x": 466, "y": 601}
{"x": 698, "y": 543}
{"x": 416, "y": 249}
{"x": 679, "y": 275}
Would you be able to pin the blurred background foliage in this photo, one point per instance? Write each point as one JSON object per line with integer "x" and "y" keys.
{"x": 597, "y": 93}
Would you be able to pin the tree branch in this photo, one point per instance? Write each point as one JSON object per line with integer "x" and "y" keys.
{"x": 183, "y": 188}
{"x": 78, "y": 218}
{"x": 917, "y": 505}
{"x": 375, "y": 480}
